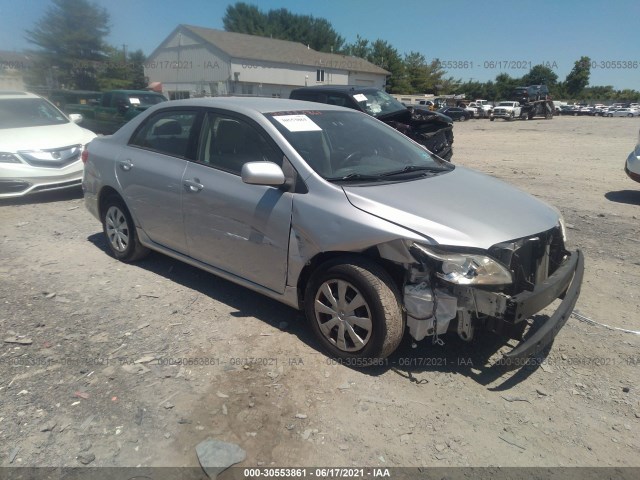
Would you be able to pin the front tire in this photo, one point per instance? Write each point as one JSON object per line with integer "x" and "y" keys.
{"x": 120, "y": 231}
{"x": 353, "y": 309}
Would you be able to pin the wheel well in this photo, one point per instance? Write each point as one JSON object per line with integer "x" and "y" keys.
{"x": 395, "y": 271}
{"x": 105, "y": 193}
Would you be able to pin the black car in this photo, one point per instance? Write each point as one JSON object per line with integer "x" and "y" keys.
{"x": 570, "y": 110}
{"x": 431, "y": 129}
{"x": 456, "y": 113}
{"x": 532, "y": 93}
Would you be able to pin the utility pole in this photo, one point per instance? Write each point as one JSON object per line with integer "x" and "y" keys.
{"x": 124, "y": 61}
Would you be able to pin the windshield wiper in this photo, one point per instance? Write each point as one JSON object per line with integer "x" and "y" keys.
{"x": 355, "y": 176}
{"x": 413, "y": 168}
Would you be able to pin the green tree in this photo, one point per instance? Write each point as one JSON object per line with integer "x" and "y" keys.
{"x": 504, "y": 86}
{"x": 116, "y": 72}
{"x": 136, "y": 59}
{"x": 538, "y": 75}
{"x": 578, "y": 77}
{"x": 473, "y": 90}
{"x": 70, "y": 39}
{"x": 317, "y": 33}
{"x": 386, "y": 56}
{"x": 245, "y": 18}
{"x": 423, "y": 76}
{"x": 360, "y": 48}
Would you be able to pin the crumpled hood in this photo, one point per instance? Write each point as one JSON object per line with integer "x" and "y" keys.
{"x": 43, "y": 138}
{"x": 461, "y": 207}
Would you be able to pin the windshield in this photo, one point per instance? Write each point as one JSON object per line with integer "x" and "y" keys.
{"x": 146, "y": 99}
{"x": 505, "y": 104}
{"x": 350, "y": 146}
{"x": 378, "y": 103}
{"x": 29, "y": 112}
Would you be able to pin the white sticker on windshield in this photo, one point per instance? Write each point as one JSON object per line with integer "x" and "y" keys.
{"x": 298, "y": 123}
{"x": 134, "y": 101}
{"x": 360, "y": 97}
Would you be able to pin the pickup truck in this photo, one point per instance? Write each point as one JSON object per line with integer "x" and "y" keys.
{"x": 113, "y": 109}
{"x": 431, "y": 129}
{"x": 506, "y": 110}
{"x": 484, "y": 108}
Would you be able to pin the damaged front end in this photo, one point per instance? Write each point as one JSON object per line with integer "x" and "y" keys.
{"x": 431, "y": 129}
{"x": 498, "y": 290}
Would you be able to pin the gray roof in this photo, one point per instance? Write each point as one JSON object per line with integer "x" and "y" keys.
{"x": 255, "y": 104}
{"x": 253, "y": 47}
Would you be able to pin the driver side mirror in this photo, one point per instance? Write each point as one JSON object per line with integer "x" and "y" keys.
{"x": 262, "y": 173}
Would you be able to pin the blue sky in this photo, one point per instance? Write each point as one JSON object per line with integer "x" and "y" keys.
{"x": 494, "y": 35}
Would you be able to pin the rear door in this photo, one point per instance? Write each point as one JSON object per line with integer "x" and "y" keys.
{"x": 150, "y": 173}
{"x": 240, "y": 228}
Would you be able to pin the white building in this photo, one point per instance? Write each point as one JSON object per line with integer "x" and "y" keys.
{"x": 196, "y": 61}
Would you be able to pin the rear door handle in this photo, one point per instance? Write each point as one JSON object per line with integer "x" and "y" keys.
{"x": 126, "y": 165}
{"x": 193, "y": 185}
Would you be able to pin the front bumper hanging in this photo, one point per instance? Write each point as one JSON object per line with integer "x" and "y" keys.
{"x": 566, "y": 280}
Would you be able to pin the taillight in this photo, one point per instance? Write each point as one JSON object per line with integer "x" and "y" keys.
{"x": 85, "y": 155}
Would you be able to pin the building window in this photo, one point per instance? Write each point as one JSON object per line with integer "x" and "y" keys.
{"x": 178, "y": 94}
{"x": 320, "y": 75}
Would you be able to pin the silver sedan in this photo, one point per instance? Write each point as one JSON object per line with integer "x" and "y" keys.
{"x": 331, "y": 211}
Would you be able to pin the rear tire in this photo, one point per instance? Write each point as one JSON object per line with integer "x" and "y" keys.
{"x": 120, "y": 231}
{"x": 353, "y": 309}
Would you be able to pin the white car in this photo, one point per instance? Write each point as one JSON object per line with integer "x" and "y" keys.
{"x": 632, "y": 166}
{"x": 40, "y": 147}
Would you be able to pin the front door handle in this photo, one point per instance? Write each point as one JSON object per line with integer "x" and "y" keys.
{"x": 193, "y": 185}
{"x": 126, "y": 165}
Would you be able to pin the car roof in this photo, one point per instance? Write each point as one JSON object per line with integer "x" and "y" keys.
{"x": 16, "y": 94}
{"x": 134, "y": 92}
{"x": 337, "y": 88}
{"x": 253, "y": 104}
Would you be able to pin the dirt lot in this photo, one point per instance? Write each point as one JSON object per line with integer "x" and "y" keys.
{"x": 100, "y": 381}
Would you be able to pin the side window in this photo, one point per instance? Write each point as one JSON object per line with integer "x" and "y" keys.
{"x": 106, "y": 99}
{"x": 307, "y": 97}
{"x": 228, "y": 143}
{"x": 338, "y": 100}
{"x": 167, "y": 132}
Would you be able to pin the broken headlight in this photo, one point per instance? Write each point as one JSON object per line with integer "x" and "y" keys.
{"x": 467, "y": 268}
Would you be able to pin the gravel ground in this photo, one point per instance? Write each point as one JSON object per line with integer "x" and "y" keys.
{"x": 127, "y": 365}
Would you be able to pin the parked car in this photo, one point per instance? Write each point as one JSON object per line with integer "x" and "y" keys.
{"x": 632, "y": 166}
{"x": 62, "y": 98}
{"x": 335, "y": 213}
{"x": 623, "y": 112}
{"x": 473, "y": 109}
{"x": 418, "y": 122}
{"x": 40, "y": 146}
{"x": 113, "y": 109}
{"x": 587, "y": 111}
{"x": 570, "y": 110}
{"x": 456, "y": 113}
